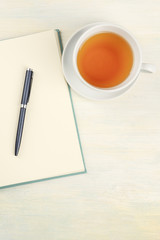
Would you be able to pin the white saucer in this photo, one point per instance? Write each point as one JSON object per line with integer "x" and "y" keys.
{"x": 70, "y": 74}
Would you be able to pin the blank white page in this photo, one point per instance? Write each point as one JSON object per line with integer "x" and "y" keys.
{"x": 50, "y": 145}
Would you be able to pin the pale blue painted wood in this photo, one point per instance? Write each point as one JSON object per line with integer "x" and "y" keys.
{"x": 119, "y": 197}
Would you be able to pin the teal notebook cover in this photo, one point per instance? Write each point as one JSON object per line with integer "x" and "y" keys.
{"x": 69, "y": 89}
{"x": 78, "y": 136}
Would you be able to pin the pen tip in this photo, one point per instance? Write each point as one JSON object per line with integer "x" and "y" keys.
{"x": 16, "y": 152}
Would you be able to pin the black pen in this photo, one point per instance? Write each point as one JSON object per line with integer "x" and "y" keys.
{"x": 24, "y": 101}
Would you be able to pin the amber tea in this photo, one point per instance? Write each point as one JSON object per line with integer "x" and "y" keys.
{"x": 105, "y": 60}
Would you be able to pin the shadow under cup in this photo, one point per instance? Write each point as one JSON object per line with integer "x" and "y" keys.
{"x": 107, "y": 57}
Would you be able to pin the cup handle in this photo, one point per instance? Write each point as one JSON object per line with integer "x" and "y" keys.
{"x": 148, "y": 67}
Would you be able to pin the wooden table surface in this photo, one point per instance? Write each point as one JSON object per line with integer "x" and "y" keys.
{"x": 119, "y": 197}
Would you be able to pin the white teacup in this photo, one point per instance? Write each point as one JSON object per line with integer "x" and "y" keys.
{"x": 137, "y": 56}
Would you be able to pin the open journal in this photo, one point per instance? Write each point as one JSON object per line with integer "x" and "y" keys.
{"x": 50, "y": 144}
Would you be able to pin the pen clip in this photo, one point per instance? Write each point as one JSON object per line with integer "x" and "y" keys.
{"x": 29, "y": 92}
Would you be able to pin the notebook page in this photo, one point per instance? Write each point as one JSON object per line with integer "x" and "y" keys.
{"x": 49, "y": 146}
